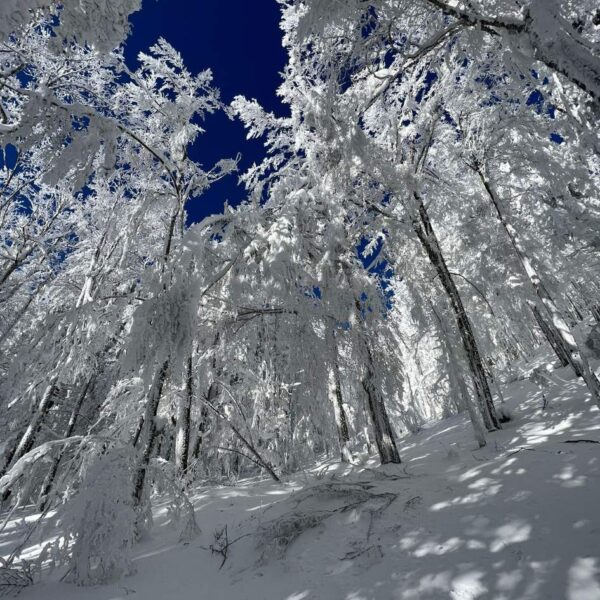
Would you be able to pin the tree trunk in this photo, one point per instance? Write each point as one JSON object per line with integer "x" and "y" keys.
{"x": 51, "y": 476}
{"x": 464, "y": 398}
{"x": 211, "y": 396}
{"x": 385, "y": 438}
{"x": 182, "y": 440}
{"x": 146, "y": 431}
{"x": 553, "y": 338}
{"x": 382, "y": 429}
{"x": 576, "y": 311}
{"x": 202, "y": 427}
{"x": 424, "y": 230}
{"x": 576, "y": 359}
{"x": 28, "y": 438}
{"x": 149, "y": 430}
{"x": 341, "y": 419}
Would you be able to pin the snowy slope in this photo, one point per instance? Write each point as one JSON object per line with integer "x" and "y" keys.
{"x": 516, "y": 520}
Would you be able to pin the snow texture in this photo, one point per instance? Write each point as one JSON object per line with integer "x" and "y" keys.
{"x": 515, "y": 520}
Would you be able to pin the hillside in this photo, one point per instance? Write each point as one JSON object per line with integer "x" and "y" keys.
{"x": 516, "y": 520}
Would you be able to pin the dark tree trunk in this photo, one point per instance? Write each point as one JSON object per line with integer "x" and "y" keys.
{"x": 341, "y": 419}
{"x": 426, "y": 234}
{"x": 51, "y": 476}
{"x": 385, "y": 438}
{"x": 149, "y": 431}
{"x": 463, "y": 398}
{"x": 202, "y": 429}
{"x": 27, "y": 440}
{"x": 182, "y": 441}
{"x": 382, "y": 429}
{"x": 553, "y": 338}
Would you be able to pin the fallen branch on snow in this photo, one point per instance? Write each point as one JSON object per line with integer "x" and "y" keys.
{"x": 277, "y": 535}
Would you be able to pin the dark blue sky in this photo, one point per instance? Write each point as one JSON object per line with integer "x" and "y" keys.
{"x": 240, "y": 41}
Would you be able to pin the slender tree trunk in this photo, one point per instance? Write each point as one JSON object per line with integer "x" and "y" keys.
{"x": 147, "y": 427}
{"x": 138, "y": 432}
{"x": 385, "y": 438}
{"x": 576, "y": 359}
{"x": 51, "y": 476}
{"x": 149, "y": 430}
{"x": 426, "y": 234}
{"x": 182, "y": 440}
{"x": 28, "y": 438}
{"x": 382, "y": 429}
{"x": 202, "y": 426}
{"x": 211, "y": 397}
{"x": 503, "y": 412}
{"x": 496, "y": 385}
{"x": 577, "y": 316}
{"x": 553, "y": 339}
{"x": 341, "y": 419}
{"x": 465, "y": 399}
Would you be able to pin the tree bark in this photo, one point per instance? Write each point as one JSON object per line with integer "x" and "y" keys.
{"x": 465, "y": 400}
{"x": 51, "y": 476}
{"x": 341, "y": 419}
{"x": 385, "y": 438}
{"x": 553, "y": 339}
{"x": 426, "y": 234}
{"x": 182, "y": 439}
{"x": 202, "y": 426}
{"x": 149, "y": 430}
{"x": 28, "y": 438}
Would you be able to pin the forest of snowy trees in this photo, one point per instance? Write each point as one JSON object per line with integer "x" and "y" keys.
{"x": 426, "y": 216}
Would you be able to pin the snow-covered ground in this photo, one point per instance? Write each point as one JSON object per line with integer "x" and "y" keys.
{"x": 516, "y": 520}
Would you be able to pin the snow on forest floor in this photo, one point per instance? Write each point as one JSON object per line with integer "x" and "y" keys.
{"x": 516, "y": 520}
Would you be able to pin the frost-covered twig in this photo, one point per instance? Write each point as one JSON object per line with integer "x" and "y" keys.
{"x": 222, "y": 544}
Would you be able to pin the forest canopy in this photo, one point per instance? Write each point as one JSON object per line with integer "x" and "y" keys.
{"x": 426, "y": 215}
